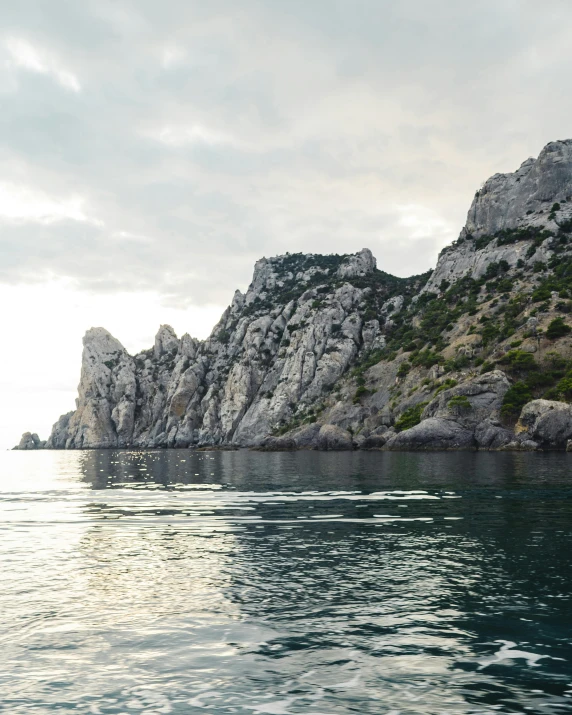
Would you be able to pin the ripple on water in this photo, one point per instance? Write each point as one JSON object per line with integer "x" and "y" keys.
{"x": 238, "y": 582}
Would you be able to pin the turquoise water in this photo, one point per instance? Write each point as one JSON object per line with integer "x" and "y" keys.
{"x": 242, "y": 582}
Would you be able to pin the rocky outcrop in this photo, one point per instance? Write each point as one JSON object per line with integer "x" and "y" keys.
{"x": 59, "y": 436}
{"x": 276, "y": 351}
{"x": 508, "y": 202}
{"x": 333, "y": 438}
{"x": 434, "y": 433}
{"x": 30, "y": 440}
{"x": 490, "y": 434}
{"x": 547, "y": 423}
{"x": 471, "y": 402}
{"x": 359, "y": 264}
{"x": 107, "y": 392}
{"x": 526, "y": 196}
{"x": 458, "y": 418}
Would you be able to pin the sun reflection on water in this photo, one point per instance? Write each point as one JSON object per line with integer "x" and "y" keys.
{"x": 243, "y": 582}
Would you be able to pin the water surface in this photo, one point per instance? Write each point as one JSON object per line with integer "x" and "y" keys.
{"x": 251, "y": 583}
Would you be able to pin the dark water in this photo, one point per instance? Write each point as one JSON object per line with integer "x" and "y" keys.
{"x": 237, "y": 582}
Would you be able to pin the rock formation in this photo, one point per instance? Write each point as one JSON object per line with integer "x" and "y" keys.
{"x": 328, "y": 352}
{"x": 30, "y": 440}
{"x": 276, "y": 350}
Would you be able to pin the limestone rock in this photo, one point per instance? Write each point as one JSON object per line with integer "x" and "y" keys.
{"x": 269, "y": 358}
{"x": 484, "y": 395}
{"x": 306, "y": 437}
{"x": 435, "y": 433}
{"x": 278, "y": 444}
{"x": 332, "y": 438}
{"x": 511, "y": 201}
{"x": 30, "y": 440}
{"x": 377, "y": 439}
{"x": 58, "y": 437}
{"x": 166, "y": 341}
{"x": 505, "y": 199}
{"x": 547, "y": 422}
{"x": 490, "y": 435}
{"x": 360, "y": 264}
{"x": 393, "y": 305}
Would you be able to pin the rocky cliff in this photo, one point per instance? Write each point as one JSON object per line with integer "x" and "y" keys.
{"x": 330, "y": 352}
{"x": 277, "y": 350}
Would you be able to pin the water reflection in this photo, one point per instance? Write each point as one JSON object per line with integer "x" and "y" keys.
{"x": 183, "y": 582}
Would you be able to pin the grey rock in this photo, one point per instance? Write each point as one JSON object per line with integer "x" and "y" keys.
{"x": 278, "y": 444}
{"x": 306, "y": 436}
{"x": 504, "y": 199}
{"x": 30, "y": 440}
{"x": 257, "y": 371}
{"x": 332, "y": 437}
{"x": 106, "y": 395}
{"x": 393, "y": 305}
{"x": 360, "y": 264}
{"x": 166, "y": 341}
{"x": 435, "y": 433}
{"x": 547, "y": 422}
{"x": 484, "y": 393}
{"x": 377, "y": 440}
{"x": 510, "y": 201}
{"x": 489, "y": 435}
{"x": 59, "y": 435}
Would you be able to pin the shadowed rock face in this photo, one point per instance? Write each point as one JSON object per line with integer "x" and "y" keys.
{"x": 276, "y": 372}
{"x": 434, "y": 433}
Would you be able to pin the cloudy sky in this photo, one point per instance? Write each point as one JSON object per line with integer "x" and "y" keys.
{"x": 151, "y": 151}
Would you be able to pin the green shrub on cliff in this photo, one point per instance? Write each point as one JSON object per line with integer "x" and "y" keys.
{"x": 564, "y": 388}
{"x": 410, "y": 417}
{"x": 459, "y": 402}
{"x": 557, "y": 329}
{"x": 515, "y": 399}
{"x": 519, "y": 361}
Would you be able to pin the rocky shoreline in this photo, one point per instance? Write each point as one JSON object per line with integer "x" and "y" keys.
{"x": 332, "y": 353}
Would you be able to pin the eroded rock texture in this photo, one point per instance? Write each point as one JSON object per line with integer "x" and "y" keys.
{"x": 509, "y": 202}
{"x": 329, "y": 352}
{"x": 282, "y": 345}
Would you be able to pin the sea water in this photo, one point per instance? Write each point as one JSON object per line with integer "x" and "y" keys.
{"x": 274, "y": 584}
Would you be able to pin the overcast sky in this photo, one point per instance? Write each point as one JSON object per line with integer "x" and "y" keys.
{"x": 151, "y": 151}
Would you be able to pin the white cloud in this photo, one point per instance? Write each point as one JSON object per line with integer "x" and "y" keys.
{"x": 422, "y": 222}
{"x": 21, "y": 203}
{"x": 181, "y": 135}
{"x": 172, "y": 56}
{"x": 24, "y": 55}
{"x": 128, "y": 236}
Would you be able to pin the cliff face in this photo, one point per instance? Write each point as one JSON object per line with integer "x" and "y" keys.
{"x": 523, "y": 201}
{"x": 330, "y": 352}
{"x": 277, "y": 349}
